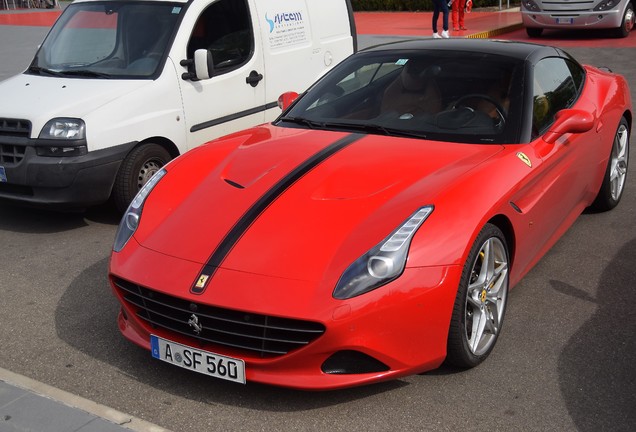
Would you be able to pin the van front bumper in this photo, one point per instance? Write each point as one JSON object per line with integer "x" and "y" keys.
{"x": 572, "y": 20}
{"x": 58, "y": 182}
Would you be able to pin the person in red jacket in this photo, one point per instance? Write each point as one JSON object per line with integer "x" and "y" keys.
{"x": 459, "y": 8}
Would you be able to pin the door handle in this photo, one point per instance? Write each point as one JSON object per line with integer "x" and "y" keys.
{"x": 254, "y": 78}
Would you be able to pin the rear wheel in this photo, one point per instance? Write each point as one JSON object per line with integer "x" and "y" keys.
{"x": 481, "y": 300}
{"x": 628, "y": 22}
{"x": 534, "y": 32}
{"x": 616, "y": 172}
{"x": 141, "y": 164}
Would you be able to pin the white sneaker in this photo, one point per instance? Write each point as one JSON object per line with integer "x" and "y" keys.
{"x": 445, "y": 34}
{"x": 437, "y": 36}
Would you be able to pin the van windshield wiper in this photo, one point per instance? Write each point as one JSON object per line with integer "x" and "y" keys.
{"x": 85, "y": 73}
{"x": 43, "y": 71}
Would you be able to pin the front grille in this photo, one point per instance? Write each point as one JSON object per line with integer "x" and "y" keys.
{"x": 15, "y": 127}
{"x": 267, "y": 336}
{"x": 565, "y": 7}
{"x": 11, "y": 154}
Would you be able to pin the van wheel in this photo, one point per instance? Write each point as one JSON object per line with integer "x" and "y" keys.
{"x": 140, "y": 164}
{"x": 627, "y": 24}
{"x": 534, "y": 32}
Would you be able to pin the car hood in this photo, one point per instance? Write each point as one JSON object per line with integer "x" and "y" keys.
{"x": 40, "y": 98}
{"x": 296, "y": 204}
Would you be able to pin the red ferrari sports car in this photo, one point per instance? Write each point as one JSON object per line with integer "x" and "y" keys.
{"x": 375, "y": 228}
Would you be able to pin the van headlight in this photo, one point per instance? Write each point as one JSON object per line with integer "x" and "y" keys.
{"x": 383, "y": 263}
{"x": 64, "y": 129}
{"x": 530, "y": 5}
{"x": 130, "y": 220}
{"x": 62, "y": 137}
{"x": 606, "y": 5}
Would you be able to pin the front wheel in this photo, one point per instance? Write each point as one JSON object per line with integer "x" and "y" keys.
{"x": 627, "y": 24}
{"x": 481, "y": 300}
{"x": 140, "y": 164}
{"x": 616, "y": 172}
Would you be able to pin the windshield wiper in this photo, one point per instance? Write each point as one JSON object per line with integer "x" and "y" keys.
{"x": 43, "y": 71}
{"x": 357, "y": 127}
{"x": 303, "y": 121}
{"x": 84, "y": 73}
{"x": 375, "y": 129}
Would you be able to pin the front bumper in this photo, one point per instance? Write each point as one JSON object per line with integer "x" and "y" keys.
{"x": 63, "y": 182}
{"x": 572, "y": 20}
{"x": 403, "y": 325}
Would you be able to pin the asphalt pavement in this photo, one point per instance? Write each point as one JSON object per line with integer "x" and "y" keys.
{"x": 589, "y": 398}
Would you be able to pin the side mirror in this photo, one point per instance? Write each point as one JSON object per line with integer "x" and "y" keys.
{"x": 199, "y": 68}
{"x": 569, "y": 121}
{"x": 286, "y": 99}
{"x": 203, "y": 64}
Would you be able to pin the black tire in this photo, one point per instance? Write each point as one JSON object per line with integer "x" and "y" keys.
{"x": 616, "y": 172}
{"x": 140, "y": 164}
{"x": 627, "y": 23}
{"x": 534, "y": 32}
{"x": 481, "y": 299}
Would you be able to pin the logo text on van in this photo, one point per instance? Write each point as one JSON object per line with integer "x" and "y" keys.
{"x": 283, "y": 18}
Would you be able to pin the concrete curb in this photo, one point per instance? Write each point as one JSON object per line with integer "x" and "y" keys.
{"x": 73, "y": 401}
{"x": 495, "y": 32}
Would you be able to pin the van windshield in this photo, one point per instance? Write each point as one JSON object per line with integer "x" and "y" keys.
{"x": 108, "y": 40}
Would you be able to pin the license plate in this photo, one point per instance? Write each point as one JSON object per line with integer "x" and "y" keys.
{"x": 196, "y": 360}
{"x": 3, "y": 175}
{"x": 565, "y": 20}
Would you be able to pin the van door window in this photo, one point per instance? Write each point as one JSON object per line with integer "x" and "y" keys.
{"x": 224, "y": 29}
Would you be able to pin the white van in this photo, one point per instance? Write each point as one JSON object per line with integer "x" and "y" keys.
{"x": 120, "y": 87}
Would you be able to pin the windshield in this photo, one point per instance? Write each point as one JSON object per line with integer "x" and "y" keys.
{"x": 442, "y": 95}
{"x": 108, "y": 40}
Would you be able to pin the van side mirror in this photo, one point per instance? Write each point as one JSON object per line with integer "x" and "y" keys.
{"x": 199, "y": 68}
{"x": 286, "y": 99}
{"x": 569, "y": 121}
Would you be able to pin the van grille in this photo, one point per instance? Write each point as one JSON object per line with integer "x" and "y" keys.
{"x": 565, "y": 7}
{"x": 267, "y": 336}
{"x": 11, "y": 154}
{"x": 15, "y": 127}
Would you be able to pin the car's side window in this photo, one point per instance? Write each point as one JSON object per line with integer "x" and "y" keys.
{"x": 554, "y": 88}
{"x": 224, "y": 29}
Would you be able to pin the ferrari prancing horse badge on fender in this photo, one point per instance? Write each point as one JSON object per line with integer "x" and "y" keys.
{"x": 524, "y": 158}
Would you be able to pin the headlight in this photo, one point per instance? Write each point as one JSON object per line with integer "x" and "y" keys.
{"x": 130, "y": 220}
{"x": 383, "y": 263}
{"x": 64, "y": 129}
{"x": 607, "y": 5}
{"x": 530, "y": 5}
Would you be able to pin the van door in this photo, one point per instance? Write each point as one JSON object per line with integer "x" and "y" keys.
{"x": 234, "y": 97}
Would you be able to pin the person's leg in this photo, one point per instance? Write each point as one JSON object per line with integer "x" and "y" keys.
{"x": 445, "y": 15}
{"x": 461, "y": 5}
{"x": 436, "y": 10}
{"x": 455, "y": 15}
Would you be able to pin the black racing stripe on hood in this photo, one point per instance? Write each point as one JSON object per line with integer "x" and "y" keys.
{"x": 243, "y": 224}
